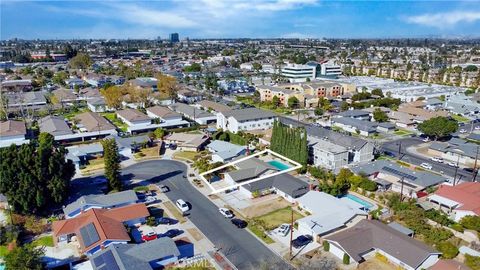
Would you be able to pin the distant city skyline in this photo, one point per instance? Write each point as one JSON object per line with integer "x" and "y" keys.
{"x": 238, "y": 19}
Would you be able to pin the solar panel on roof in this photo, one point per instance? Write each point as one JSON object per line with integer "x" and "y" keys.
{"x": 89, "y": 234}
{"x": 399, "y": 173}
{"x": 106, "y": 261}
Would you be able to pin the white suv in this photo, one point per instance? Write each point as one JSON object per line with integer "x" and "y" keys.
{"x": 437, "y": 159}
{"x": 182, "y": 205}
{"x": 426, "y": 166}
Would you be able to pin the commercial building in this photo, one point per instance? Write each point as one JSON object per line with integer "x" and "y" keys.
{"x": 298, "y": 73}
{"x": 245, "y": 120}
{"x": 174, "y": 38}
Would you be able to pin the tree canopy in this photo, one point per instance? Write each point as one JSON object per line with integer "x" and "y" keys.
{"x": 290, "y": 142}
{"x": 379, "y": 115}
{"x": 35, "y": 175}
{"x": 168, "y": 86}
{"x": 27, "y": 257}
{"x": 438, "y": 127}
{"x": 112, "y": 164}
{"x": 80, "y": 61}
{"x": 195, "y": 67}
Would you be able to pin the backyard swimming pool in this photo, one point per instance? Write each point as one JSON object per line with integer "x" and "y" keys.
{"x": 279, "y": 165}
{"x": 367, "y": 205}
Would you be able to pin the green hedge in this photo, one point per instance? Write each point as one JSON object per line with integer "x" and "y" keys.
{"x": 326, "y": 246}
{"x": 346, "y": 258}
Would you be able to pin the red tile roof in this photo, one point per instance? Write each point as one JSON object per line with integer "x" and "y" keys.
{"x": 108, "y": 223}
{"x": 466, "y": 194}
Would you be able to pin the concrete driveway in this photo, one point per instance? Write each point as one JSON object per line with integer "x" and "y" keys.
{"x": 240, "y": 247}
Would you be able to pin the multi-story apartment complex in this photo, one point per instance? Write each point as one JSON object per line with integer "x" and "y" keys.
{"x": 245, "y": 119}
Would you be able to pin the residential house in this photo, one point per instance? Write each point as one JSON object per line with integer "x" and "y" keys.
{"x": 136, "y": 120}
{"x": 392, "y": 176}
{"x": 356, "y": 114}
{"x": 75, "y": 82}
{"x": 245, "y": 120}
{"x": 19, "y": 101}
{"x": 80, "y": 154}
{"x": 188, "y": 96}
{"x": 55, "y": 125}
{"x": 328, "y": 213}
{"x": 208, "y": 105}
{"x": 155, "y": 254}
{"x": 369, "y": 237}
{"x": 327, "y": 154}
{"x": 127, "y": 146}
{"x": 96, "y": 229}
{"x": 12, "y": 132}
{"x": 249, "y": 169}
{"x": 187, "y": 141}
{"x": 166, "y": 117}
{"x": 224, "y": 151}
{"x": 65, "y": 96}
{"x": 455, "y": 150}
{"x": 16, "y": 85}
{"x": 145, "y": 83}
{"x": 107, "y": 201}
{"x": 461, "y": 200}
{"x": 285, "y": 185}
{"x": 97, "y": 104}
{"x": 200, "y": 116}
{"x": 352, "y": 125}
{"x": 91, "y": 125}
{"x": 463, "y": 105}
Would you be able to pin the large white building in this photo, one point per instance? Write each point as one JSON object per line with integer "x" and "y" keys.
{"x": 245, "y": 119}
{"x": 299, "y": 73}
{"x": 330, "y": 69}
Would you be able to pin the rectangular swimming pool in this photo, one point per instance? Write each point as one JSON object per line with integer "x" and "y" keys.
{"x": 279, "y": 165}
{"x": 356, "y": 199}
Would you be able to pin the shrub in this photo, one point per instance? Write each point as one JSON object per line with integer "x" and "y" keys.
{"x": 326, "y": 246}
{"x": 346, "y": 259}
{"x": 472, "y": 262}
{"x": 141, "y": 189}
{"x": 151, "y": 221}
{"x": 471, "y": 223}
{"x": 449, "y": 250}
{"x": 457, "y": 227}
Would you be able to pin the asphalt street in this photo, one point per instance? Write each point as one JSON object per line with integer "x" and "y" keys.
{"x": 240, "y": 247}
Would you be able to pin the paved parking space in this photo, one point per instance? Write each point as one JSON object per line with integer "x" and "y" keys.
{"x": 236, "y": 199}
{"x": 285, "y": 242}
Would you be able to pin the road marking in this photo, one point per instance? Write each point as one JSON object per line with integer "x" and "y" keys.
{"x": 173, "y": 184}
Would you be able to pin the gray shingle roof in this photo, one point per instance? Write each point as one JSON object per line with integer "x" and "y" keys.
{"x": 104, "y": 201}
{"x": 369, "y": 234}
{"x": 284, "y": 182}
{"x": 132, "y": 257}
{"x": 190, "y": 111}
{"x": 55, "y": 125}
{"x": 248, "y": 114}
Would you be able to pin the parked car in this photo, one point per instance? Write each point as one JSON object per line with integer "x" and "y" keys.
{"x": 426, "y": 166}
{"x": 150, "y": 199}
{"x": 152, "y": 235}
{"x": 163, "y": 188}
{"x": 182, "y": 205}
{"x": 437, "y": 159}
{"x": 226, "y": 212}
{"x": 239, "y": 223}
{"x": 453, "y": 164}
{"x": 172, "y": 233}
{"x": 426, "y": 139}
{"x": 463, "y": 131}
{"x": 302, "y": 240}
{"x": 283, "y": 230}
{"x": 166, "y": 221}
{"x": 477, "y": 127}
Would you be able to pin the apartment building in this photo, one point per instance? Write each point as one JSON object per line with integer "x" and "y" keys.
{"x": 267, "y": 93}
{"x": 245, "y": 120}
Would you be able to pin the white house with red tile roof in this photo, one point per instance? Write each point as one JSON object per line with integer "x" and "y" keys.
{"x": 463, "y": 199}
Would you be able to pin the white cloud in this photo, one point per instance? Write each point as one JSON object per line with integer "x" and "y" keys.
{"x": 277, "y": 5}
{"x": 296, "y": 35}
{"x": 444, "y": 19}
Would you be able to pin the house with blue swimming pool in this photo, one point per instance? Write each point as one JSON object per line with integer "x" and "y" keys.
{"x": 328, "y": 213}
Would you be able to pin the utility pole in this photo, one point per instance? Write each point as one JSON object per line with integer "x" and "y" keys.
{"x": 401, "y": 190}
{"x": 399, "y": 149}
{"x": 475, "y": 169}
{"x": 291, "y": 235}
{"x": 456, "y": 170}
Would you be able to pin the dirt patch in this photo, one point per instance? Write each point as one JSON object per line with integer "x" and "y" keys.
{"x": 265, "y": 207}
{"x": 195, "y": 234}
{"x": 175, "y": 212}
{"x": 376, "y": 264}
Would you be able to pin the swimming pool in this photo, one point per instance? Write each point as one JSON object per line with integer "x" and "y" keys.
{"x": 356, "y": 199}
{"x": 279, "y": 165}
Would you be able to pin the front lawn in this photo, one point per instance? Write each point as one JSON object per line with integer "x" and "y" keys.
{"x": 260, "y": 233}
{"x": 460, "y": 118}
{"x": 278, "y": 217}
{"x": 188, "y": 155}
{"x": 149, "y": 152}
{"x": 112, "y": 117}
{"x": 402, "y": 132}
{"x": 46, "y": 241}
{"x": 93, "y": 165}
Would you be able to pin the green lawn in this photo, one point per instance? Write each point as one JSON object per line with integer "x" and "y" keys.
{"x": 260, "y": 233}
{"x": 46, "y": 241}
{"x": 278, "y": 217}
{"x": 460, "y": 118}
{"x": 189, "y": 155}
{"x": 71, "y": 115}
{"x": 402, "y": 132}
{"x": 3, "y": 251}
{"x": 112, "y": 117}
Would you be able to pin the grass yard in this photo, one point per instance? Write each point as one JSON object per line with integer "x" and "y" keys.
{"x": 149, "y": 152}
{"x": 258, "y": 231}
{"x": 93, "y": 165}
{"x": 460, "y": 118}
{"x": 3, "y": 251}
{"x": 175, "y": 212}
{"x": 188, "y": 155}
{"x": 278, "y": 217}
{"x": 402, "y": 132}
{"x": 112, "y": 117}
{"x": 46, "y": 241}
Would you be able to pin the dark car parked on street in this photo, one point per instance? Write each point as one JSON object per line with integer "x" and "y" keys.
{"x": 239, "y": 223}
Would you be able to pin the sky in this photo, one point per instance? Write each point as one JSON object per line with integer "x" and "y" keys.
{"x": 124, "y": 19}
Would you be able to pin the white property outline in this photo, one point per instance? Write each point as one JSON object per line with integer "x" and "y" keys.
{"x": 214, "y": 190}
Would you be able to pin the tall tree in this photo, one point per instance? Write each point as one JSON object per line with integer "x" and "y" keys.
{"x": 35, "y": 176}
{"x": 438, "y": 127}
{"x": 379, "y": 115}
{"x": 112, "y": 164}
{"x": 80, "y": 61}
{"x": 113, "y": 96}
{"x": 168, "y": 86}
{"x": 27, "y": 257}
